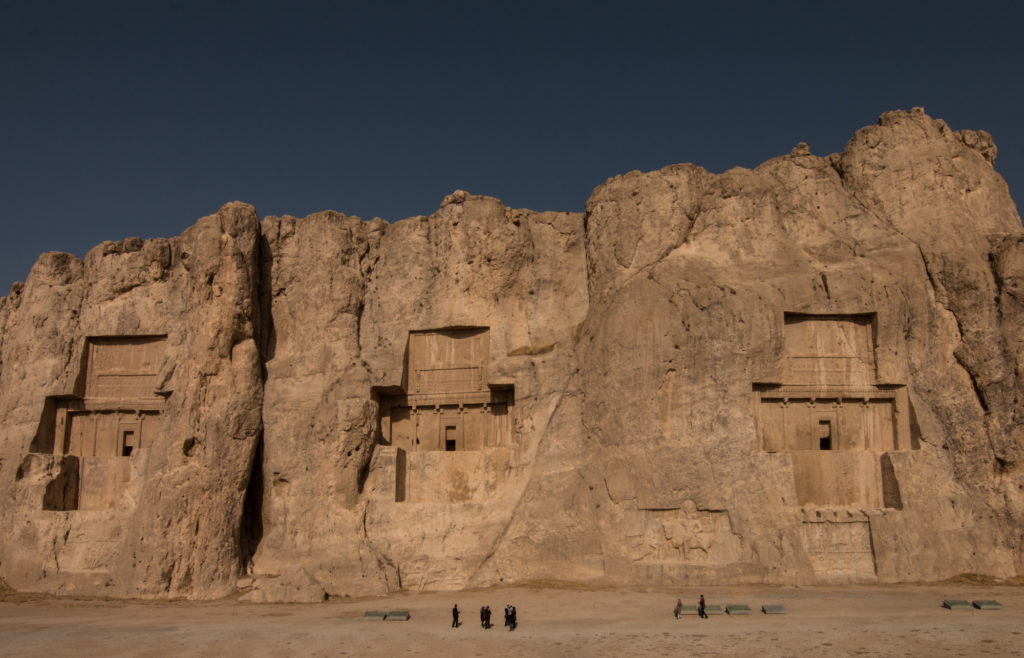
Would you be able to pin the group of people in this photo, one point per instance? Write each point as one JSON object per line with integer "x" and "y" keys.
{"x": 485, "y": 617}
{"x": 510, "y": 617}
{"x": 700, "y": 608}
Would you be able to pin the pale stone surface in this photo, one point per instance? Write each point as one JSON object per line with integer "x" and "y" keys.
{"x": 172, "y": 527}
{"x": 806, "y": 372}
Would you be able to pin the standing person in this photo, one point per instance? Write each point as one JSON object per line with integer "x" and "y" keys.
{"x": 679, "y": 608}
{"x": 483, "y": 616}
{"x": 508, "y": 615}
{"x": 512, "y": 619}
{"x": 455, "y": 616}
{"x": 700, "y": 608}
{"x": 487, "y": 617}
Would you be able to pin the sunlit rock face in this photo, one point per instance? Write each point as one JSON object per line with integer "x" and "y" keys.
{"x": 801, "y": 373}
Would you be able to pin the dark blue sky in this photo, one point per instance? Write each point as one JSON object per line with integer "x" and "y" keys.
{"x": 134, "y": 119}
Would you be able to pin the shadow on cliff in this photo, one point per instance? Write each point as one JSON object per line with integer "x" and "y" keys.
{"x": 265, "y": 292}
{"x": 251, "y": 524}
{"x": 251, "y": 527}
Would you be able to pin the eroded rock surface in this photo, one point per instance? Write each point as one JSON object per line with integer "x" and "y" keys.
{"x": 805, "y": 372}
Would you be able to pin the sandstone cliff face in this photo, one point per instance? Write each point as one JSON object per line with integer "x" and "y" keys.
{"x": 165, "y": 520}
{"x": 344, "y": 295}
{"x": 693, "y": 278}
{"x": 805, "y": 372}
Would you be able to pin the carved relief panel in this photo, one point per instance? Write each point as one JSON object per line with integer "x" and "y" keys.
{"x": 448, "y": 360}
{"x": 828, "y": 350}
{"x": 123, "y": 367}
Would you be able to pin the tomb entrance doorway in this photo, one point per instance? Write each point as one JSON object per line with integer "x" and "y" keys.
{"x": 451, "y": 435}
{"x": 826, "y": 440}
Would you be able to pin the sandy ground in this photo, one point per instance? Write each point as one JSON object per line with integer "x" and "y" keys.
{"x": 867, "y": 621}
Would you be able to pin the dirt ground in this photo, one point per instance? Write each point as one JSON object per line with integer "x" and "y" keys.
{"x": 867, "y": 621}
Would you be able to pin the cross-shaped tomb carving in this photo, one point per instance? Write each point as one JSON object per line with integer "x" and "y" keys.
{"x": 831, "y": 413}
{"x": 445, "y": 402}
{"x": 109, "y": 417}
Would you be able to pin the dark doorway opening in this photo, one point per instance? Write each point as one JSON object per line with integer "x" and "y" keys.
{"x": 824, "y": 435}
{"x": 127, "y": 442}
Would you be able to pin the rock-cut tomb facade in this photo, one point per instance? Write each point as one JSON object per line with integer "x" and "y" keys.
{"x": 808, "y": 372}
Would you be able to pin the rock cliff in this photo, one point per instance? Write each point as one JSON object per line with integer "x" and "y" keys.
{"x": 803, "y": 373}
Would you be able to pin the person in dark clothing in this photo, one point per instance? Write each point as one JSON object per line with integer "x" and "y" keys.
{"x": 512, "y": 619}
{"x": 455, "y": 616}
{"x": 483, "y": 616}
{"x": 508, "y": 615}
{"x": 487, "y": 616}
{"x": 700, "y": 608}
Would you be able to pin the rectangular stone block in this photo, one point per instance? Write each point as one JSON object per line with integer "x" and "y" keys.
{"x": 379, "y": 615}
{"x": 397, "y": 615}
{"x": 956, "y": 604}
{"x": 688, "y": 610}
{"x": 773, "y": 609}
{"x": 737, "y": 609}
{"x": 713, "y": 610}
{"x": 987, "y": 605}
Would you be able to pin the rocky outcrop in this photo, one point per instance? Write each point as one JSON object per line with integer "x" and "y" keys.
{"x": 163, "y": 521}
{"x": 801, "y": 373}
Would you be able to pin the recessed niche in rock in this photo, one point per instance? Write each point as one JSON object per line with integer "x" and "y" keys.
{"x": 838, "y": 545}
{"x": 445, "y": 402}
{"x": 831, "y": 414}
{"x": 113, "y": 411}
